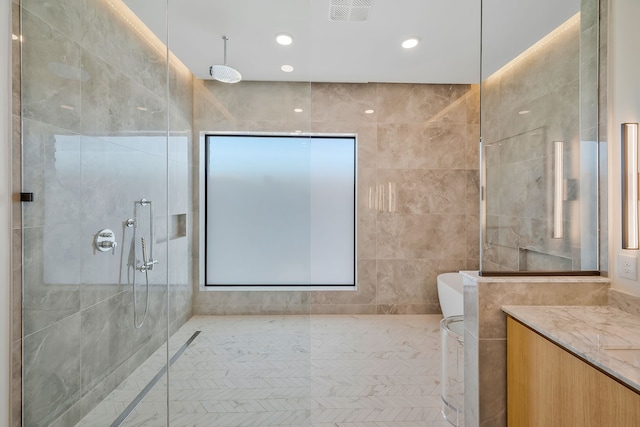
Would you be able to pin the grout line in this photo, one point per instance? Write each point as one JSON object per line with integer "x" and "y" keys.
{"x": 135, "y": 402}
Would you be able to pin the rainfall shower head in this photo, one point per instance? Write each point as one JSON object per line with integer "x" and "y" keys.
{"x": 223, "y": 73}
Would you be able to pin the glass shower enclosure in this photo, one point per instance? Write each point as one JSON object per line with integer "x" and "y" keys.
{"x": 541, "y": 150}
{"x": 107, "y": 164}
{"x": 105, "y": 276}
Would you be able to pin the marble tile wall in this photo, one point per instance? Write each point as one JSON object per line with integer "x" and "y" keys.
{"x": 93, "y": 109}
{"x": 623, "y": 301}
{"x": 422, "y": 138}
{"x": 551, "y": 94}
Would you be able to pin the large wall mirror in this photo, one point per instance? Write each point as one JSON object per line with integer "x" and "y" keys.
{"x": 539, "y": 132}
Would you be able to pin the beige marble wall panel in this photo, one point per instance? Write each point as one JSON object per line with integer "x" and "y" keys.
{"x": 473, "y": 264}
{"x": 493, "y": 295}
{"x": 418, "y": 146}
{"x": 529, "y": 145}
{"x": 492, "y": 119}
{"x": 589, "y": 95}
{"x": 423, "y": 191}
{"x": 251, "y": 302}
{"x": 472, "y": 100}
{"x": 344, "y": 309}
{"x": 16, "y": 61}
{"x": 413, "y": 103}
{"x": 445, "y": 148}
{"x": 471, "y": 306}
{"x": 335, "y": 102}
{"x": 181, "y": 97}
{"x": 528, "y": 191}
{"x": 412, "y": 236}
{"x": 365, "y": 295}
{"x": 16, "y": 384}
{"x": 123, "y": 46}
{"x": 556, "y": 111}
{"x": 472, "y": 192}
{"x": 69, "y": 17}
{"x": 509, "y": 258}
{"x": 51, "y": 377}
{"x": 110, "y": 88}
{"x": 471, "y": 378}
{"x": 624, "y": 301}
{"x": 405, "y": 281}
{"x": 254, "y": 102}
{"x": 472, "y": 234}
{"x": 492, "y": 355}
{"x": 97, "y": 394}
{"x": 472, "y": 151}
{"x": 553, "y": 67}
{"x": 16, "y": 286}
{"x": 367, "y": 214}
{"x": 537, "y": 261}
{"x": 516, "y": 232}
{"x": 44, "y": 91}
{"x": 412, "y": 281}
{"x": 397, "y": 143}
{"x": 407, "y": 308}
{"x": 16, "y": 170}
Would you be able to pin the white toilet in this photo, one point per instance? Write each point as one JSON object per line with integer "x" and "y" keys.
{"x": 450, "y": 294}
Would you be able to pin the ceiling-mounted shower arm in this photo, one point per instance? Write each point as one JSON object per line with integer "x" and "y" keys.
{"x": 225, "y": 38}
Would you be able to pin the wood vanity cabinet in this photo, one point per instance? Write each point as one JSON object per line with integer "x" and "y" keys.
{"x": 547, "y": 386}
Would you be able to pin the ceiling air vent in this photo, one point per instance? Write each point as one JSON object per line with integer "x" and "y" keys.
{"x": 350, "y": 10}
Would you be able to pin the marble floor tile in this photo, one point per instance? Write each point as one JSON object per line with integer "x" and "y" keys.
{"x": 322, "y": 370}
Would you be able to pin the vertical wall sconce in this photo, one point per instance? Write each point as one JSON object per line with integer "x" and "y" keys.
{"x": 558, "y": 189}
{"x": 630, "y": 186}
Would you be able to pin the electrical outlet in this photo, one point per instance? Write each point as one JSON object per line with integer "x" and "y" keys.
{"x": 628, "y": 266}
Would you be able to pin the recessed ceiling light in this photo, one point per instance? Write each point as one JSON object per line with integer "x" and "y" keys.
{"x": 369, "y": 111}
{"x": 298, "y": 110}
{"x": 284, "y": 39}
{"x": 287, "y": 68}
{"x": 410, "y": 42}
{"x": 524, "y": 112}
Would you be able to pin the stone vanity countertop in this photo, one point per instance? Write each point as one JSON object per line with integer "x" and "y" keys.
{"x": 604, "y": 336}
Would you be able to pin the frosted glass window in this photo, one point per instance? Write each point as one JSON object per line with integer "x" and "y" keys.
{"x": 280, "y": 210}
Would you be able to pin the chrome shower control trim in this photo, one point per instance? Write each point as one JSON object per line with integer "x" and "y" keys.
{"x": 105, "y": 240}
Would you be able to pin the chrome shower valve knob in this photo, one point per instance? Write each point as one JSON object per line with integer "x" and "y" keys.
{"x": 105, "y": 240}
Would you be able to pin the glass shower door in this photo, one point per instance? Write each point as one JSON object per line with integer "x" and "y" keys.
{"x": 539, "y": 117}
{"x": 95, "y": 157}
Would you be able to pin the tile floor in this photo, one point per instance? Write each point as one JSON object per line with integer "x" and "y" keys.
{"x": 333, "y": 371}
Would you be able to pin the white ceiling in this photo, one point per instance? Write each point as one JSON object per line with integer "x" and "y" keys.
{"x": 329, "y": 51}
